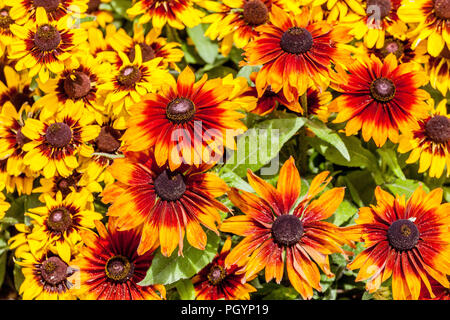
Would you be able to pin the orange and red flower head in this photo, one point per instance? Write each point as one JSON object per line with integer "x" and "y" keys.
{"x": 111, "y": 268}
{"x": 273, "y": 224}
{"x": 407, "y": 240}
{"x": 186, "y": 122}
{"x": 167, "y": 204}
{"x": 218, "y": 281}
{"x": 379, "y": 98}
{"x": 293, "y": 51}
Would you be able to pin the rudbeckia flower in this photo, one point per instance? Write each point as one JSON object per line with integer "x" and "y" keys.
{"x": 294, "y": 51}
{"x": 22, "y": 184}
{"x": 438, "y": 69}
{"x": 429, "y": 142}
{"x": 201, "y": 113}
{"x": 234, "y": 22}
{"x": 379, "y": 98}
{"x": 6, "y": 36}
{"x": 440, "y": 292}
{"x": 432, "y": 18}
{"x": 166, "y": 204}
{"x": 337, "y": 10}
{"x": 217, "y": 281}
{"x": 111, "y": 268}
{"x": 151, "y": 44}
{"x": 55, "y": 142}
{"x": 43, "y": 46}
{"x": 74, "y": 85}
{"x": 54, "y": 9}
{"x": 277, "y": 230}
{"x": 57, "y": 224}
{"x": 401, "y": 49}
{"x": 47, "y": 276}
{"x": 16, "y": 88}
{"x": 406, "y": 240}
{"x": 101, "y": 17}
{"x": 176, "y": 13}
{"x": 380, "y": 18}
{"x": 129, "y": 80}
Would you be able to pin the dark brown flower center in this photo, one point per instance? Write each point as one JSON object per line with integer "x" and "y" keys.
{"x": 5, "y": 19}
{"x": 378, "y": 9}
{"x": 129, "y": 75}
{"x": 147, "y": 52}
{"x": 296, "y": 40}
{"x": 216, "y": 275}
{"x": 180, "y": 110}
{"x": 255, "y": 12}
{"x": 442, "y": 9}
{"x": 20, "y": 138}
{"x": 54, "y": 271}
{"x": 93, "y": 6}
{"x": 64, "y": 184}
{"x": 119, "y": 268}
{"x": 445, "y": 53}
{"x": 47, "y": 38}
{"x": 58, "y": 135}
{"x": 403, "y": 234}
{"x": 287, "y": 230}
{"x": 438, "y": 129}
{"x": 59, "y": 220}
{"x": 48, "y": 5}
{"x": 382, "y": 89}
{"x": 108, "y": 140}
{"x": 392, "y": 46}
{"x": 169, "y": 186}
{"x": 77, "y": 85}
{"x": 19, "y": 98}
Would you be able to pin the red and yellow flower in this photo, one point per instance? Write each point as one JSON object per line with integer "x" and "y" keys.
{"x": 111, "y": 268}
{"x": 407, "y": 240}
{"x": 217, "y": 281}
{"x": 187, "y": 121}
{"x": 176, "y": 13}
{"x": 274, "y": 225}
{"x": 166, "y": 204}
{"x": 429, "y": 142}
{"x": 295, "y": 52}
{"x": 54, "y": 9}
{"x": 45, "y": 46}
{"x": 379, "y": 98}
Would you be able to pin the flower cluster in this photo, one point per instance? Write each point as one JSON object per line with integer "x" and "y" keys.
{"x": 118, "y": 126}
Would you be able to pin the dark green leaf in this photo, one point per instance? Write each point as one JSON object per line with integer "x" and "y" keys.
{"x": 207, "y": 49}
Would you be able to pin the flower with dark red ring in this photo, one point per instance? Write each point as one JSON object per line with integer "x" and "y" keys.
{"x": 406, "y": 240}
{"x": 379, "y": 98}
{"x": 277, "y": 231}
{"x": 295, "y": 52}
{"x": 203, "y": 115}
{"x": 111, "y": 268}
{"x": 217, "y": 281}
{"x": 440, "y": 292}
{"x": 166, "y": 204}
{"x": 54, "y": 9}
{"x": 45, "y": 46}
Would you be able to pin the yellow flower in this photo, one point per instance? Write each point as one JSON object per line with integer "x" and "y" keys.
{"x": 58, "y": 223}
{"x": 101, "y": 17}
{"x": 429, "y": 142}
{"x": 54, "y": 9}
{"x": 16, "y": 88}
{"x": 4, "y": 206}
{"x": 438, "y": 69}
{"x": 45, "y": 46}
{"x": 47, "y": 276}
{"x": 56, "y": 141}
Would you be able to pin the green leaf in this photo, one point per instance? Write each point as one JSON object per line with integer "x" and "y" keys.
{"x": 328, "y": 135}
{"x": 405, "y": 186}
{"x": 18, "y": 276}
{"x": 121, "y": 7}
{"x": 207, "y": 49}
{"x": 2, "y": 267}
{"x": 185, "y": 289}
{"x": 367, "y": 296}
{"x": 262, "y": 143}
{"x": 233, "y": 180}
{"x": 169, "y": 270}
{"x": 389, "y": 156}
{"x": 344, "y": 212}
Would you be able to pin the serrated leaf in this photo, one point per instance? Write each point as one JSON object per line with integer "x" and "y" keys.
{"x": 169, "y": 270}
{"x": 206, "y": 49}
{"x": 328, "y": 135}
{"x": 262, "y": 143}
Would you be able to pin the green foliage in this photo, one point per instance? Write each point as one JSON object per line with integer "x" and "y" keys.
{"x": 169, "y": 270}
